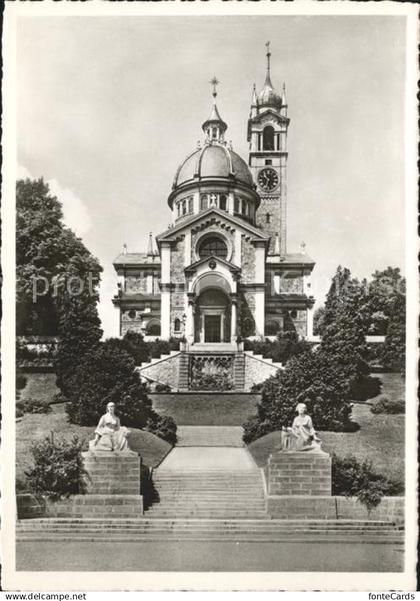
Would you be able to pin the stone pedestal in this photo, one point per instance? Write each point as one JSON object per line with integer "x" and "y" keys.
{"x": 303, "y": 473}
{"x": 113, "y": 485}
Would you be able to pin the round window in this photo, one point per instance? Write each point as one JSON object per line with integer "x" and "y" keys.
{"x": 213, "y": 247}
{"x": 132, "y": 313}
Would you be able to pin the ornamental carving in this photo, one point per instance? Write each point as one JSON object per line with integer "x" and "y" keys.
{"x": 211, "y": 372}
{"x": 291, "y": 285}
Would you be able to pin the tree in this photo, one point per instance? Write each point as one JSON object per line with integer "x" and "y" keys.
{"x": 393, "y": 354}
{"x": 45, "y": 251}
{"x": 108, "y": 374}
{"x": 79, "y": 327}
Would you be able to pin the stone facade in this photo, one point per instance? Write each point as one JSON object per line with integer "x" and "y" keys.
{"x": 228, "y": 235}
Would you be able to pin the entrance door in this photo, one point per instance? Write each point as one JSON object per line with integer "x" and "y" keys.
{"x": 212, "y": 327}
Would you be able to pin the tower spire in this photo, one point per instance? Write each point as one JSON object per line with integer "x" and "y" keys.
{"x": 268, "y": 58}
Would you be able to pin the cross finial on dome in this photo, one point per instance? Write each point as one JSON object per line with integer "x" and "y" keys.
{"x": 214, "y": 82}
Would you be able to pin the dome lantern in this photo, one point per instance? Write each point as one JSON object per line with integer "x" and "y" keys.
{"x": 214, "y": 127}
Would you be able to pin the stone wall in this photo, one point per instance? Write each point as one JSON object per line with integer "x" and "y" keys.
{"x": 257, "y": 370}
{"x": 247, "y": 261}
{"x": 178, "y": 261}
{"x": 178, "y": 309}
{"x": 165, "y": 371}
{"x": 332, "y": 508}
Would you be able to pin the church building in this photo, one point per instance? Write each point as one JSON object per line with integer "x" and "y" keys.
{"x": 222, "y": 270}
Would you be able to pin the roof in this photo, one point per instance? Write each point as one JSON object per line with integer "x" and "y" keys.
{"x": 168, "y": 234}
{"x": 213, "y": 160}
{"x": 268, "y": 95}
{"x": 290, "y": 259}
{"x": 136, "y": 259}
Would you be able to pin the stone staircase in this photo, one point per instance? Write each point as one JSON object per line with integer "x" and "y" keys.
{"x": 237, "y": 530}
{"x": 209, "y": 494}
{"x": 173, "y": 369}
{"x": 210, "y": 436}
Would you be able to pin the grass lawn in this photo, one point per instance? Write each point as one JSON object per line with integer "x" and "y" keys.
{"x": 40, "y": 387}
{"x": 380, "y": 438}
{"x": 37, "y": 426}
{"x": 215, "y": 409}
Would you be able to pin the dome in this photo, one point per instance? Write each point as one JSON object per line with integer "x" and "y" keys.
{"x": 268, "y": 96}
{"x": 213, "y": 161}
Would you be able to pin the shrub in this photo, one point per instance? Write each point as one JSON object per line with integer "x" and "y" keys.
{"x": 142, "y": 351}
{"x": 386, "y": 405}
{"x": 21, "y": 381}
{"x": 108, "y": 374}
{"x": 352, "y": 478}
{"x": 280, "y": 350}
{"x": 33, "y": 406}
{"x": 162, "y": 426}
{"x": 308, "y": 378}
{"x": 162, "y": 388}
{"x": 365, "y": 387}
{"x": 58, "y": 467}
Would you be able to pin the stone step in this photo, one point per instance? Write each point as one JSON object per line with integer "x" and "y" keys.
{"x": 272, "y": 522}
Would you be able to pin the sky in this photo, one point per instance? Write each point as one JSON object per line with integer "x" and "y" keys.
{"x": 107, "y": 108}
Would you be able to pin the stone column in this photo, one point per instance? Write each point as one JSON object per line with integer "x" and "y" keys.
{"x": 165, "y": 306}
{"x": 234, "y": 319}
{"x": 189, "y": 325}
{"x": 310, "y": 323}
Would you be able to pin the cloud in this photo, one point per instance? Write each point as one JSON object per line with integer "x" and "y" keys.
{"x": 76, "y": 214}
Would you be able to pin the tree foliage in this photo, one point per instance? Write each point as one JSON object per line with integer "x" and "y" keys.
{"x": 108, "y": 374}
{"x": 313, "y": 378}
{"x": 47, "y": 254}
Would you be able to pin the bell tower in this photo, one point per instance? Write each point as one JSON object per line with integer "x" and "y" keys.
{"x": 267, "y": 136}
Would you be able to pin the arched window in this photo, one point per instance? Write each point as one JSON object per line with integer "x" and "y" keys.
{"x": 268, "y": 138}
{"x": 184, "y": 207}
{"x": 213, "y": 247}
{"x": 153, "y": 328}
{"x": 223, "y": 202}
{"x": 190, "y": 204}
{"x": 204, "y": 202}
{"x": 177, "y": 325}
{"x": 236, "y": 209}
{"x": 178, "y": 208}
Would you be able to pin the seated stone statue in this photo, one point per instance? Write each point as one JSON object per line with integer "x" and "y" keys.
{"x": 109, "y": 434}
{"x": 301, "y": 436}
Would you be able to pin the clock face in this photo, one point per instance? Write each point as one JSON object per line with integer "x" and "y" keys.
{"x": 268, "y": 179}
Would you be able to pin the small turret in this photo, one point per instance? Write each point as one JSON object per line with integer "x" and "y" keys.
{"x": 150, "y": 251}
{"x": 254, "y": 103}
{"x": 283, "y": 110}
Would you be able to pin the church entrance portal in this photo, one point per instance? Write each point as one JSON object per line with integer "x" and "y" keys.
{"x": 212, "y": 317}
